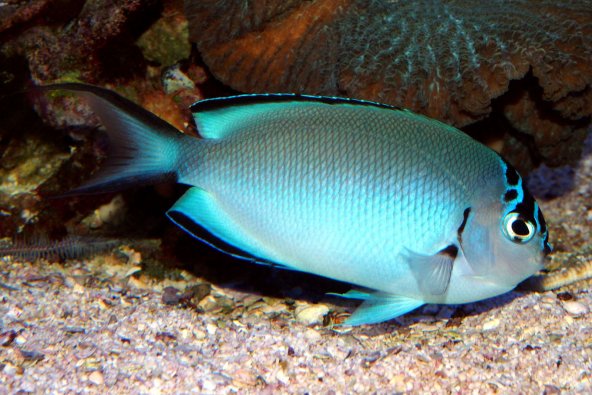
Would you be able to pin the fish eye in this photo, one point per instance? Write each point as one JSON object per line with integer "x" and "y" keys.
{"x": 517, "y": 228}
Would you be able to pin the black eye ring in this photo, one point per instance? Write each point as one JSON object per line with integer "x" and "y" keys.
{"x": 517, "y": 228}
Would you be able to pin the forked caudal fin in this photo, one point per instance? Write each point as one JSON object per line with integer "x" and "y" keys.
{"x": 143, "y": 147}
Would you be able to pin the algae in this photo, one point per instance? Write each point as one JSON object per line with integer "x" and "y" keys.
{"x": 166, "y": 42}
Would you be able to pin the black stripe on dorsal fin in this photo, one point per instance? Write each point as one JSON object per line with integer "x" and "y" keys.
{"x": 268, "y": 98}
{"x": 222, "y": 117}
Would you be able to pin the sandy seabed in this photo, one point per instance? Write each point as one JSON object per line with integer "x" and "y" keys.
{"x": 91, "y": 326}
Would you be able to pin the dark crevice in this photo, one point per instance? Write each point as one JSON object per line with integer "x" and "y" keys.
{"x": 496, "y": 127}
{"x": 211, "y": 87}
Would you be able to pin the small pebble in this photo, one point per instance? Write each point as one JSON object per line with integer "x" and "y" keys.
{"x": 33, "y": 356}
{"x": 565, "y": 296}
{"x": 311, "y": 335}
{"x": 112, "y": 212}
{"x": 137, "y": 283}
{"x": 208, "y": 386}
{"x": 245, "y": 377}
{"x": 199, "y": 291}
{"x": 398, "y": 383}
{"x": 208, "y": 303}
{"x": 492, "y": 324}
{"x": 310, "y": 315}
{"x": 77, "y": 288}
{"x": 96, "y": 378}
{"x": 74, "y": 329}
{"x": 575, "y": 308}
{"x": 551, "y": 390}
{"x": 156, "y": 387}
{"x": 174, "y": 79}
{"x": 6, "y": 338}
{"x": 12, "y": 370}
{"x": 211, "y": 329}
{"x": 133, "y": 270}
{"x": 171, "y": 296}
{"x": 549, "y": 300}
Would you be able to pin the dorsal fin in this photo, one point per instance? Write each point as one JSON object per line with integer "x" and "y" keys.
{"x": 220, "y": 117}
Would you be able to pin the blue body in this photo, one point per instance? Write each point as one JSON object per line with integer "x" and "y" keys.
{"x": 356, "y": 191}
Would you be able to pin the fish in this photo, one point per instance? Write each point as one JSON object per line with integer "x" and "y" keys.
{"x": 69, "y": 247}
{"x": 407, "y": 209}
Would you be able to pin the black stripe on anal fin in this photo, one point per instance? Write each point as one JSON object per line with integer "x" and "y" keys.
{"x": 198, "y": 232}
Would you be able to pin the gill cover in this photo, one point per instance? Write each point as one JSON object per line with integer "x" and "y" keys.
{"x": 506, "y": 238}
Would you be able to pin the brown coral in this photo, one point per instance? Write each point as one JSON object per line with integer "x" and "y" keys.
{"x": 446, "y": 59}
{"x": 14, "y": 13}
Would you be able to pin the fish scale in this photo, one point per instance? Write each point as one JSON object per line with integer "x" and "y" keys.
{"x": 324, "y": 186}
{"x": 411, "y": 209}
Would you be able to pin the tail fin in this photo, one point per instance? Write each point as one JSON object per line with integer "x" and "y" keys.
{"x": 143, "y": 147}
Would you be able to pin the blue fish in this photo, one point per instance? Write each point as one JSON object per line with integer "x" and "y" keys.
{"x": 411, "y": 209}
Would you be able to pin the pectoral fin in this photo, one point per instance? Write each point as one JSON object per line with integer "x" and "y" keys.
{"x": 432, "y": 272}
{"x": 378, "y": 307}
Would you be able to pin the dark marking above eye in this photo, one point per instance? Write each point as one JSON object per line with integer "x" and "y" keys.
{"x": 512, "y": 176}
{"x": 526, "y": 208}
{"x": 510, "y": 195}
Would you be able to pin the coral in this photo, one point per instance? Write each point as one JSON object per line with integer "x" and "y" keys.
{"x": 52, "y": 51}
{"x": 561, "y": 278}
{"x": 446, "y": 59}
{"x": 15, "y": 13}
{"x": 570, "y": 217}
{"x": 94, "y": 41}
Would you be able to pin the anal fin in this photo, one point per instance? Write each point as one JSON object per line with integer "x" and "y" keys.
{"x": 198, "y": 210}
{"x": 379, "y": 307}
